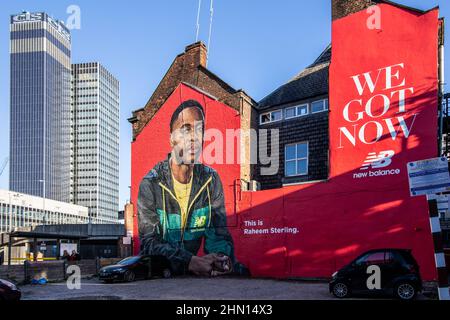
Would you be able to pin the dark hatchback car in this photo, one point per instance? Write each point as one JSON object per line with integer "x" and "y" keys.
{"x": 136, "y": 267}
{"x": 399, "y": 275}
{"x": 9, "y": 291}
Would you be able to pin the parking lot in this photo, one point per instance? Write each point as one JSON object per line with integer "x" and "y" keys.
{"x": 183, "y": 289}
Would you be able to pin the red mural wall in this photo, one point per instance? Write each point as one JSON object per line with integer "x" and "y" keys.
{"x": 383, "y": 114}
{"x": 153, "y": 145}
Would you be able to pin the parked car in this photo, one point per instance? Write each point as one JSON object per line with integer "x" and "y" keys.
{"x": 136, "y": 267}
{"x": 9, "y": 291}
{"x": 399, "y": 275}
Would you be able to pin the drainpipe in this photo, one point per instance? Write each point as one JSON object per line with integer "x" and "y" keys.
{"x": 441, "y": 95}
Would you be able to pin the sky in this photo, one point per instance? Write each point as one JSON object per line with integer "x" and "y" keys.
{"x": 255, "y": 45}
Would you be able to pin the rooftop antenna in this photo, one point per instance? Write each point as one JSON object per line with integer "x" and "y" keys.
{"x": 198, "y": 20}
{"x": 211, "y": 14}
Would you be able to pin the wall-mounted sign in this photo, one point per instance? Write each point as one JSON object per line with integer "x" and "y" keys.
{"x": 27, "y": 17}
{"x": 43, "y": 246}
{"x": 428, "y": 176}
{"x": 41, "y": 16}
{"x": 68, "y": 247}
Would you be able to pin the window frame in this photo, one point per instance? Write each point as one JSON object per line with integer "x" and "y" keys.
{"x": 296, "y": 159}
{"x": 270, "y": 112}
{"x": 384, "y": 253}
{"x": 323, "y": 103}
{"x": 296, "y": 107}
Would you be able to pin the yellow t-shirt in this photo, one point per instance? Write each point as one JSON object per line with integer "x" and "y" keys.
{"x": 182, "y": 192}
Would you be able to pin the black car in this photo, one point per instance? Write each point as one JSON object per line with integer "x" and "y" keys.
{"x": 9, "y": 291}
{"x": 399, "y": 275}
{"x": 136, "y": 267}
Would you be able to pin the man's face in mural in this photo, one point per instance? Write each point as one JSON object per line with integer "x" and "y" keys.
{"x": 189, "y": 211}
{"x": 186, "y": 138}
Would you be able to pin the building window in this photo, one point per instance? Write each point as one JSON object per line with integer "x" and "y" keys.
{"x": 296, "y": 159}
{"x": 272, "y": 116}
{"x": 296, "y": 111}
{"x": 319, "y": 106}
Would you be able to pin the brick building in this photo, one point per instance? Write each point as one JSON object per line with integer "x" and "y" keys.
{"x": 299, "y": 198}
{"x": 299, "y": 110}
{"x": 189, "y": 68}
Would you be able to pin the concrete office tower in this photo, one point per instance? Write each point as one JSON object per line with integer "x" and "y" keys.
{"x": 40, "y": 49}
{"x": 95, "y": 141}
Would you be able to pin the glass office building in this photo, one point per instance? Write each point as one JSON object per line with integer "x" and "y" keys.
{"x": 40, "y": 49}
{"x": 95, "y": 141}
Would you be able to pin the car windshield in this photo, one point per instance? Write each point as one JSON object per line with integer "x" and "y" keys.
{"x": 128, "y": 261}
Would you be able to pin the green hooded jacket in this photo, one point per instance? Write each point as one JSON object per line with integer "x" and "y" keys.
{"x": 160, "y": 219}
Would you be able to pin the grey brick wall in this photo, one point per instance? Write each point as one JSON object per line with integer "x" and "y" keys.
{"x": 312, "y": 129}
{"x": 87, "y": 267}
{"x": 14, "y": 273}
{"x": 50, "y": 270}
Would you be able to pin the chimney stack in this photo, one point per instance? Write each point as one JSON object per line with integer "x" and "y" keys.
{"x": 195, "y": 54}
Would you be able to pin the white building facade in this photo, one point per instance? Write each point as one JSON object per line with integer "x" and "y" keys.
{"x": 95, "y": 105}
{"x": 18, "y": 210}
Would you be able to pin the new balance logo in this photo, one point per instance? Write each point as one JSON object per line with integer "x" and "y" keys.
{"x": 376, "y": 161}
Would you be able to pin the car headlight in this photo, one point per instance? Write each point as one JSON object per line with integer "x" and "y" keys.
{"x": 334, "y": 274}
{"x": 11, "y": 285}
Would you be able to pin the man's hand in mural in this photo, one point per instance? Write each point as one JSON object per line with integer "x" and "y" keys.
{"x": 210, "y": 265}
{"x": 222, "y": 265}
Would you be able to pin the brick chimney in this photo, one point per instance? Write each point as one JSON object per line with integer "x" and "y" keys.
{"x": 343, "y": 8}
{"x": 189, "y": 68}
{"x": 195, "y": 55}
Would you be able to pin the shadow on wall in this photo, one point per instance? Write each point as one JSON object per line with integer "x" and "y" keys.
{"x": 335, "y": 220}
{"x": 338, "y": 219}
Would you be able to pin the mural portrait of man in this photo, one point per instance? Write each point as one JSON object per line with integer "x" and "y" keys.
{"x": 181, "y": 204}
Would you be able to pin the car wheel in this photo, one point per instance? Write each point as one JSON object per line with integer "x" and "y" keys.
{"x": 405, "y": 291}
{"x": 340, "y": 290}
{"x": 129, "y": 276}
{"x": 167, "y": 273}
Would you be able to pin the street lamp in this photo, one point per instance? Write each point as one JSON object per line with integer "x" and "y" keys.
{"x": 3, "y": 215}
{"x": 43, "y": 201}
{"x": 58, "y": 215}
{"x": 29, "y": 215}
{"x": 90, "y": 204}
{"x": 15, "y": 195}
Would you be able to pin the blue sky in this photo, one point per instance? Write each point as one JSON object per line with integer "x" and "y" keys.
{"x": 256, "y": 45}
